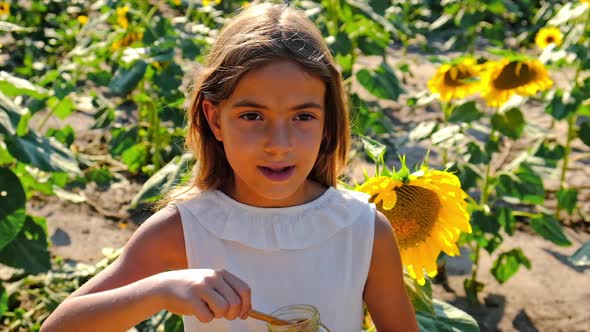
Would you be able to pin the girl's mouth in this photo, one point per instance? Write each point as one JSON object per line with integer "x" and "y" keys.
{"x": 277, "y": 174}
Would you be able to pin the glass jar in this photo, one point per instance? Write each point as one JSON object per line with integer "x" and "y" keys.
{"x": 305, "y": 318}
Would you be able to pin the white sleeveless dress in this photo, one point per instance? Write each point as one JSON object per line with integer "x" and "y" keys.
{"x": 316, "y": 253}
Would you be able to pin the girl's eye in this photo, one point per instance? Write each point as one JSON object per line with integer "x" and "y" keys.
{"x": 305, "y": 117}
{"x": 251, "y": 116}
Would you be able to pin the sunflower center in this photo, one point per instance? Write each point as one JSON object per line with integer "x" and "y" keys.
{"x": 513, "y": 75}
{"x": 413, "y": 215}
{"x": 550, "y": 40}
{"x": 457, "y": 76}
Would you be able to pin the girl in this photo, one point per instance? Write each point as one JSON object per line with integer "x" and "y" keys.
{"x": 263, "y": 225}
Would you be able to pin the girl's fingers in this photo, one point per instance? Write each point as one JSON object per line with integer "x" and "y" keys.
{"x": 202, "y": 312}
{"x": 232, "y": 298}
{"x": 216, "y": 302}
{"x": 243, "y": 291}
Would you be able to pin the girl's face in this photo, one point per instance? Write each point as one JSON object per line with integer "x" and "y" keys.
{"x": 271, "y": 128}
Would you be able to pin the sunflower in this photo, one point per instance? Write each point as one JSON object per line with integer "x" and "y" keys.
{"x": 547, "y": 36}
{"x": 4, "y": 8}
{"x": 505, "y": 78}
{"x": 455, "y": 81}
{"x": 122, "y": 16}
{"x": 428, "y": 212}
{"x": 83, "y": 19}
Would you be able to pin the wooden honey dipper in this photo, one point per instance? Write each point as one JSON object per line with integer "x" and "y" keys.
{"x": 267, "y": 318}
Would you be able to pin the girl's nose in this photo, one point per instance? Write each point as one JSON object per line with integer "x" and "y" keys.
{"x": 278, "y": 139}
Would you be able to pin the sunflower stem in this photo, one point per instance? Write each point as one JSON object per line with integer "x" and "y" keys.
{"x": 483, "y": 201}
{"x": 447, "y": 110}
{"x": 571, "y": 122}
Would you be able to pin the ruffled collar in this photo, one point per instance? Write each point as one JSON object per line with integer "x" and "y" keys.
{"x": 294, "y": 227}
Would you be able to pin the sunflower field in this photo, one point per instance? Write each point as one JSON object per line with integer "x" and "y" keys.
{"x": 471, "y": 125}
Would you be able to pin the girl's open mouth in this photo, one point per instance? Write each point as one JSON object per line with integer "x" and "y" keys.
{"x": 277, "y": 174}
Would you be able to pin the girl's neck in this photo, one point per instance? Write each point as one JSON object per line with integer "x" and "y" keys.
{"x": 307, "y": 192}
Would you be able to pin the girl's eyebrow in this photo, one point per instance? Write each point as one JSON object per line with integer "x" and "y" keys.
{"x": 253, "y": 104}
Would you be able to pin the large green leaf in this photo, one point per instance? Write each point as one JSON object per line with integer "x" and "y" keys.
{"x": 584, "y": 133}
{"x": 507, "y": 264}
{"x": 14, "y": 86}
{"x": 47, "y": 154}
{"x": 509, "y": 123}
{"x": 447, "y": 318}
{"x": 524, "y": 185}
{"x": 10, "y": 115}
{"x": 28, "y": 250}
{"x": 561, "y": 105}
{"x": 12, "y": 194}
{"x": 549, "y": 228}
{"x": 567, "y": 199}
{"x": 125, "y": 80}
{"x": 374, "y": 149}
{"x": 421, "y": 296}
{"x": 164, "y": 179}
{"x": 467, "y": 112}
{"x": 10, "y": 226}
{"x": 12, "y": 206}
{"x": 3, "y": 300}
{"x": 382, "y": 82}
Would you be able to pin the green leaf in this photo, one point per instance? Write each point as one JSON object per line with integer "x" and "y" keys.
{"x": 5, "y": 157}
{"x": 582, "y": 256}
{"x": 509, "y": 123}
{"x": 12, "y": 206}
{"x": 421, "y": 296}
{"x": 125, "y": 80}
{"x": 374, "y": 149}
{"x": 506, "y": 219}
{"x": 14, "y": 86}
{"x": 135, "y": 157}
{"x": 550, "y": 152}
{"x": 487, "y": 223}
{"x": 174, "y": 323}
{"x": 101, "y": 176}
{"x": 467, "y": 112}
{"x": 447, "y": 318}
{"x": 561, "y": 105}
{"x": 12, "y": 194}
{"x": 10, "y": 226}
{"x": 584, "y": 133}
{"x": 164, "y": 179}
{"x": 567, "y": 199}
{"x": 28, "y": 250}
{"x": 47, "y": 154}
{"x": 550, "y": 229}
{"x": 508, "y": 263}
{"x": 122, "y": 139}
{"x": 3, "y": 300}
{"x": 64, "y": 135}
{"x": 381, "y": 82}
{"x": 61, "y": 108}
{"x": 477, "y": 154}
{"x": 524, "y": 185}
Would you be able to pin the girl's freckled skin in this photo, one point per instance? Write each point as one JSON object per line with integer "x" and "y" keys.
{"x": 274, "y": 117}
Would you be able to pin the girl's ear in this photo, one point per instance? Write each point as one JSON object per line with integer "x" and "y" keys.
{"x": 212, "y": 114}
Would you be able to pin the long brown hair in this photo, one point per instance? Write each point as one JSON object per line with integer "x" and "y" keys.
{"x": 254, "y": 37}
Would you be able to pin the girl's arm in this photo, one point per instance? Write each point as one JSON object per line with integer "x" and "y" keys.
{"x": 136, "y": 285}
{"x": 385, "y": 292}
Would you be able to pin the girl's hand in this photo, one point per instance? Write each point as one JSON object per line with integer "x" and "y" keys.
{"x": 204, "y": 293}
